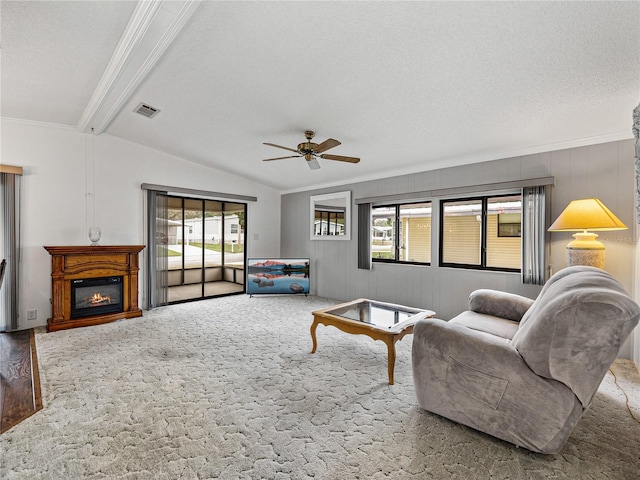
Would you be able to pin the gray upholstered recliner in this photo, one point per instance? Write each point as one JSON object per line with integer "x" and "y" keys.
{"x": 521, "y": 370}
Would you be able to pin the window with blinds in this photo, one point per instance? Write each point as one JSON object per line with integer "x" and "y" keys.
{"x": 482, "y": 233}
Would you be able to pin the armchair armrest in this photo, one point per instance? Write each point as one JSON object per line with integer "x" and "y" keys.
{"x": 499, "y": 304}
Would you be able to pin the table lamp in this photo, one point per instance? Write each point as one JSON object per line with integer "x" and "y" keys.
{"x": 580, "y": 216}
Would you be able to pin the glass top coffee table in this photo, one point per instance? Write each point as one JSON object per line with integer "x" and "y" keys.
{"x": 380, "y": 321}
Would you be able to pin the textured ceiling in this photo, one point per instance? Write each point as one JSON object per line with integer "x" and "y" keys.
{"x": 53, "y": 54}
{"x": 406, "y": 86}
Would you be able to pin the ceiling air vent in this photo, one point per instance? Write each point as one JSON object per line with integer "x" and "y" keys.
{"x": 146, "y": 110}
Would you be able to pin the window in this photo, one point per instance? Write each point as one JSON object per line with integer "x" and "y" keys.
{"x": 481, "y": 232}
{"x": 401, "y": 233}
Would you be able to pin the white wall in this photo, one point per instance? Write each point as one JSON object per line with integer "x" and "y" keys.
{"x": 69, "y": 175}
{"x": 605, "y": 171}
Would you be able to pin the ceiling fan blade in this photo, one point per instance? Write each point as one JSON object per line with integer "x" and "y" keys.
{"x": 313, "y": 164}
{"x": 340, "y": 158}
{"x": 280, "y": 146}
{"x": 326, "y": 145}
{"x": 281, "y": 158}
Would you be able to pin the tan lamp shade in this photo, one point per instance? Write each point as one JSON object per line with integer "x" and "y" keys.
{"x": 580, "y": 216}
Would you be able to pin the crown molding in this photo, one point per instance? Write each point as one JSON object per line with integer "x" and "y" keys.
{"x": 37, "y": 123}
{"x": 473, "y": 158}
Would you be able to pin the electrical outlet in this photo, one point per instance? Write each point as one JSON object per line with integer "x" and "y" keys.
{"x": 32, "y": 314}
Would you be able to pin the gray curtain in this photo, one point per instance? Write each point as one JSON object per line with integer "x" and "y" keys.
{"x": 157, "y": 239}
{"x": 9, "y": 249}
{"x": 364, "y": 236}
{"x": 534, "y": 235}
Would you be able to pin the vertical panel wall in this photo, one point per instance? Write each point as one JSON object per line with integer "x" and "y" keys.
{"x": 604, "y": 171}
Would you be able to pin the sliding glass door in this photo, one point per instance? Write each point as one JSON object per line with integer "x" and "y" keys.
{"x": 205, "y": 248}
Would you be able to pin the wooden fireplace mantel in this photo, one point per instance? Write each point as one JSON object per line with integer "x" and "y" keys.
{"x": 78, "y": 262}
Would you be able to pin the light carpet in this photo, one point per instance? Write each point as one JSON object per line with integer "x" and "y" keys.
{"x": 227, "y": 388}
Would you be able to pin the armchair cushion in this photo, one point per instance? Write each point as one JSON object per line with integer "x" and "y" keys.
{"x": 481, "y": 322}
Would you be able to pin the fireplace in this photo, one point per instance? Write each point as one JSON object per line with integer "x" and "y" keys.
{"x": 93, "y": 284}
{"x": 96, "y": 296}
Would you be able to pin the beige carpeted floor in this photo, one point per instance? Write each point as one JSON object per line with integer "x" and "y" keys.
{"x": 226, "y": 388}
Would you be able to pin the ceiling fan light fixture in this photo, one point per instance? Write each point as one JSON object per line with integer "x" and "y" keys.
{"x": 313, "y": 163}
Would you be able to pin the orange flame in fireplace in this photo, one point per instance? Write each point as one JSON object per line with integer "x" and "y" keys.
{"x": 99, "y": 299}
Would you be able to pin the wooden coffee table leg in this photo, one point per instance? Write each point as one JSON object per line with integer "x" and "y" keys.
{"x": 314, "y": 325}
{"x": 391, "y": 347}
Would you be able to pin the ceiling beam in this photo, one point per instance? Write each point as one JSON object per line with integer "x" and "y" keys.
{"x": 153, "y": 27}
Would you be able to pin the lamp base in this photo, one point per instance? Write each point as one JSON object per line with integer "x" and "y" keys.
{"x": 585, "y": 250}
{"x": 593, "y": 258}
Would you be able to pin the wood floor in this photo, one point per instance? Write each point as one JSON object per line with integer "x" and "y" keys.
{"x": 19, "y": 380}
